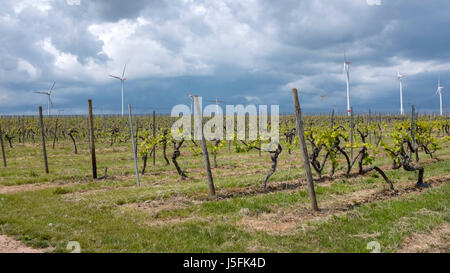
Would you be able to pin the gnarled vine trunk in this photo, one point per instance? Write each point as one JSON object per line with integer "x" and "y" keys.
{"x": 164, "y": 146}
{"x": 175, "y": 155}
{"x": 274, "y": 158}
{"x": 70, "y": 133}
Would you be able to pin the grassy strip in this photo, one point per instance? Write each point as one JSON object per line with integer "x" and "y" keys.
{"x": 42, "y": 219}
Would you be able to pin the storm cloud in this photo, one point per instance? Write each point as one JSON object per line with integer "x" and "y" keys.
{"x": 237, "y": 51}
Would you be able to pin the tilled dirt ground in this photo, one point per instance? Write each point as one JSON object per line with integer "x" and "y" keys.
{"x": 436, "y": 241}
{"x": 9, "y": 245}
{"x": 224, "y": 193}
{"x": 286, "y": 222}
{"x": 26, "y": 187}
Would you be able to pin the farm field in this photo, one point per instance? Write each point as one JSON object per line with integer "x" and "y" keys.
{"x": 168, "y": 214}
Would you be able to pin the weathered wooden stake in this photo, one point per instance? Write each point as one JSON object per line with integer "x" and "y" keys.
{"x": 352, "y": 127}
{"x": 65, "y": 127}
{"x": 413, "y": 138}
{"x": 89, "y": 133}
{"x": 198, "y": 116}
{"x": 154, "y": 136}
{"x": 332, "y": 119}
{"x": 92, "y": 140}
{"x": 23, "y": 129}
{"x": 301, "y": 136}
{"x": 41, "y": 121}
{"x": 3, "y": 147}
{"x": 104, "y": 123}
{"x": 134, "y": 147}
{"x": 55, "y": 132}
{"x": 136, "y": 137}
{"x": 369, "y": 122}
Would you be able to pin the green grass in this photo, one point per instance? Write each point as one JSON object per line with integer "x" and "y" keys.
{"x": 103, "y": 215}
{"x": 41, "y": 219}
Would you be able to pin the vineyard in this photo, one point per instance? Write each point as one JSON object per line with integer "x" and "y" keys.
{"x": 380, "y": 178}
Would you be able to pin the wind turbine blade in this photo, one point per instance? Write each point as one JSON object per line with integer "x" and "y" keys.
{"x": 37, "y": 92}
{"x": 123, "y": 73}
{"x": 50, "y": 99}
{"x": 52, "y": 87}
{"x": 115, "y": 77}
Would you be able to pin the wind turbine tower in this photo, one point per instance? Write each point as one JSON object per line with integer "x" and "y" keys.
{"x": 347, "y": 74}
{"x": 48, "y": 93}
{"x": 439, "y": 91}
{"x": 400, "y": 77}
{"x": 122, "y": 79}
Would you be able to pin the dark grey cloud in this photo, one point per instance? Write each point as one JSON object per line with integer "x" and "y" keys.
{"x": 240, "y": 51}
{"x": 114, "y": 10}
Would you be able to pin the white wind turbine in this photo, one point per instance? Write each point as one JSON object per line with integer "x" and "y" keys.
{"x": 346, "y": 69}
{"x": 48, "y": 93}
{"x": 191, "y": 97}
{"x": 439, "y": 91}
{"x": 122, "y": 79}
{"x": 400, "y": 77}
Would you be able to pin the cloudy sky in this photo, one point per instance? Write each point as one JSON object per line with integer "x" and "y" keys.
{"x": 241, "y": 52}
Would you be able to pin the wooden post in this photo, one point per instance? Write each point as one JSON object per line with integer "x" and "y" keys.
{"x": 89, "y": 133}
{"x": 352, "y": 127}
{"x": 154, "y": 137}
{"x": 212, "y": 191}
{"x": 369, "y": 122}
{"x": 104, "y": 123}
{"x": 23, "y": 129}
{"x": 3, "y": 146}
{"x": 134, "y": 147}
{"x": 41, "y": 121}
{"x": 332, "y": 119}
{"x": 92, "y": 141}
{"x": 136, "y": 137}
{"x": 55, "y": 132}
{"x": 301, "y": 136}
{"x": 65, "y": 127}
{"x": 413, "y": 139}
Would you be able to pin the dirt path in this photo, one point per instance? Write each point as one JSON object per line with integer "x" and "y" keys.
{"x": 274, "y": 223}
{"x": 296, "y": 183}
{"x": 223, "y": 193}
{"x": 9, "y": 245}
{"x": 25, "y": 187}
{"x": 435, "y": 241}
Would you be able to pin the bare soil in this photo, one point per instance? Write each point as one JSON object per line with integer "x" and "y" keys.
{"x": 435, "y": 241}
{"x": 25, "y": 187}
{"x": 9, "y": 245}
{"x": 285, "y": 222}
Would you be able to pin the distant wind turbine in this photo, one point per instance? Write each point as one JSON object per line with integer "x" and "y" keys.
{"x": 217, "y": 103}
{"x": 122, "y": 79}
{"x": 192, "y": 98}
{"x": 48, "y": 93}
{"x": 439, "y": 91}
{"x": 347, "y": 74}
{"x": 400, "y": 77}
